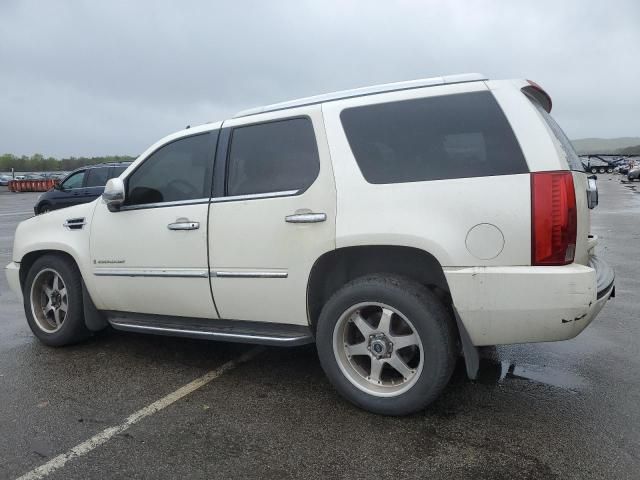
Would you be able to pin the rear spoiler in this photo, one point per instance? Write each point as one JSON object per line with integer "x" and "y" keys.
{"x": 536, "y": 92}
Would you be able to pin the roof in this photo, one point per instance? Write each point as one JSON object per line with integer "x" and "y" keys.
{"x": 359, "y": 92}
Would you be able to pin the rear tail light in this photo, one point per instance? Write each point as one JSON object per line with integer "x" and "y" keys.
{"x": 553, "y": 218}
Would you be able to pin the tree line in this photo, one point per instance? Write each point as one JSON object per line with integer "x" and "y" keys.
{"x": 38, "y": 162}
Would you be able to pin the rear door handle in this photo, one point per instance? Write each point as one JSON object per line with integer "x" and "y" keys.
{"x": 306, "y": 218}
{"x": 183, "y": 224}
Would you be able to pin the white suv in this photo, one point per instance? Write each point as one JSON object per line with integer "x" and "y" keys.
{"x": 395, "y": 226}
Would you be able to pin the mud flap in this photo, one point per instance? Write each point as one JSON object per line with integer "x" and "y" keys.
{"x": 93, "y": 319}
{"x": 470, "y": 352}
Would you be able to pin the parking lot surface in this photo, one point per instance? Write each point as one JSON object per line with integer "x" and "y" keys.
{"x": 555, "y": 410}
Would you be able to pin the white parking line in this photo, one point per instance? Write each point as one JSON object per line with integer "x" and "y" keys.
{"x": 15, "y": 213}
{"x": 103, "y": 436}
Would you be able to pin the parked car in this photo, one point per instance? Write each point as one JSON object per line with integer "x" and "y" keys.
{"x": 395, "y": 226}
{"x": 80, "y": 186}
{"x": 623, "y": 169}
{"x": 634, "y": 174}
{"x": 4, "y": 180}
{"x": 34, "y": 176}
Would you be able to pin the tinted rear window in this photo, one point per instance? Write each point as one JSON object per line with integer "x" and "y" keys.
{"x": 117, "y": 171}
{"x": 453, "y": 136}
{"x": 97, "y": 177}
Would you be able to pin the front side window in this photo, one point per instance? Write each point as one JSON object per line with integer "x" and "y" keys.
{"x": 180, "y": 170}
{"x": 272, "y": 157}
{"x": 450, "y": 136}
{"x": 97, "y": 177}
{"x": 74, "y": 181}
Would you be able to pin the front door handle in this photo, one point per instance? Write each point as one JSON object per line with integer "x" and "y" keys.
{"x": 183, "y": 224}
{"x": 306, "y": 218}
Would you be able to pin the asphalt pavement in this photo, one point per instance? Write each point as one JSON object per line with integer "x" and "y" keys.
{"x": 122, "y": 406}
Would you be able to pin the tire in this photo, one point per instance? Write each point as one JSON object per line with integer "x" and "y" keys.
{"x": 44, "y": 208}
{"x": 46, "y": 297}
{"x": 418, "y": 320}
{"x": 609, "y": 170}
{"x": 602, "y": 170}
{"x": 594, "y": 170}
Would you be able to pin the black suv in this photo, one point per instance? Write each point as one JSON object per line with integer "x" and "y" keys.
{"x": 80, "y": 186}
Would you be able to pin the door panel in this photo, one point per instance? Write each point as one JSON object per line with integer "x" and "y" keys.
{"x": 260, "y": 262}
{"x": 140, "y": 265}
{"x": 151, "y": 255}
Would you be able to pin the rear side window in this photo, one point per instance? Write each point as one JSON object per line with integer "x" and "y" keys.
{"x": 272, "y": 157}
{"x": 572, "y": 157}
{"x": 117, "y": 171}
{"x": 97, "y": 177}
{"x": 453, "y": 136}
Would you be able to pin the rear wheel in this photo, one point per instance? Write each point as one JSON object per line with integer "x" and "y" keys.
{"x": 602, "y": 170}
{"x": 609, "y": 170}
{"x": 387, "y": 344}
{"x": 53, "y": 301}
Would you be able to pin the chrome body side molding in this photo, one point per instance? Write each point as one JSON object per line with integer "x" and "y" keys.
{"x": 152, "y": 272}
{"x": 246, "y": 274}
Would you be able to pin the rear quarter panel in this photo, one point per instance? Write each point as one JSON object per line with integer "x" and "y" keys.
{"x": 434, "y": 216}
{"x": 542, "y": 150}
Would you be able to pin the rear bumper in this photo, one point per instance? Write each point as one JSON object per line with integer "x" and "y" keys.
{"x": 12, "y": 272}
{"x": 503, "y": 305}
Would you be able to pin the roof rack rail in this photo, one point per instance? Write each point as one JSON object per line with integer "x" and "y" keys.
{"x": 360, "y": 92}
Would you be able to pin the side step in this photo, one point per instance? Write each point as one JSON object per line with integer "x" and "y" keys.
{"x": 212, "y": 329}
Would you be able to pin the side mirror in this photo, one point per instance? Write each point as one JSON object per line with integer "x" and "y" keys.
{"x": 113, "y": 194}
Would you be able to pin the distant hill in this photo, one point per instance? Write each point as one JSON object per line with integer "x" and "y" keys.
{"x": 635, "y": 150}
{"x": 605, "y": 145}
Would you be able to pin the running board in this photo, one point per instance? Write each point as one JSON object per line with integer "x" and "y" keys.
{"x": 212, "y": 329}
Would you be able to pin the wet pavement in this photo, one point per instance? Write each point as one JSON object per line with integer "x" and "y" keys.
{"x": 557, "y": 410}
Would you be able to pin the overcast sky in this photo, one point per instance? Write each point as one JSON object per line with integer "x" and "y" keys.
{"x": 95, "y": 78}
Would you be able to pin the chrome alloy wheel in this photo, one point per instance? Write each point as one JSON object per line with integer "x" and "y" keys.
{"x": 49, "y": 300}
{"x": 378, "y": 349}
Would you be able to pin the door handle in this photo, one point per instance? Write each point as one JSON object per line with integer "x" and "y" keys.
{"x": 183, "y": 224}
{"x": 306, "y": 218}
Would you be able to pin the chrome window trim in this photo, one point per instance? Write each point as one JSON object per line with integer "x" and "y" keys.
{"x": 141, "y": 206}
{"x": 152, "y": 272}
{"x": 248, "y": 274}
{"x": 253, "y": 196}
{"x": 195, "y": 201}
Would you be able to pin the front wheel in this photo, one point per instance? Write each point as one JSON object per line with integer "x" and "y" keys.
{"x": 53, "y": 301}
{"x": 387, "y": 344}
